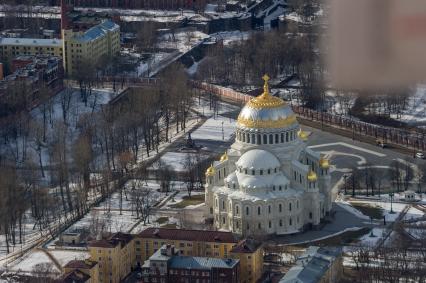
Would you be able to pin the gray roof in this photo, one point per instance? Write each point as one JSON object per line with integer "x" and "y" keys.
{"x": 188, "y": 262}
{"x": 312, "y": 265}
{"x": 30, "y": 41}
{"x": 98, "y": 31}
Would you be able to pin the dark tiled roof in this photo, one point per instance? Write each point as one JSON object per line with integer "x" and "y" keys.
{"x": 103, "y": 244}
{"x": 122, "y": 237}
{"x": 201, "y": 263}
{"x": 83, "y": 264}
{"x": 74, "y": 277}
{"x": 246, "y": 246}
{"x": 188, "y": 235}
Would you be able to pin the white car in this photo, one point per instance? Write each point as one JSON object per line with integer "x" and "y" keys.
{"x": 420, "y": 155}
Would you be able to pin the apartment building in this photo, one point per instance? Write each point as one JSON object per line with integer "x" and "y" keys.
{"x": 13, "y": 47}
{"x": 115, "y": 256}
{"x": 201, "y": 243}
{"x": 88, "y": 47}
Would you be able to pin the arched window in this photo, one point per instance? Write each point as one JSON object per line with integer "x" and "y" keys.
{"x": 295, "y": 175}
{"x": 286, "y": 136}
{"x": 245, "y": 171}
{"x": 219, "y": 174}
{"x": 223, "y": 204}
{"x": 277, "y": 138}
{"x": 310, "y": 215}
{"x": 282, "y": 137}
{"x": 269, "y": 171}
{"x": 258, "y": 210}
{"x": 270, "y": 225}
{"x": 237, "y": 225}
{"x": 289, "y": 206}
{"x": 261, "y": 172}
{"x": 281, "y": 223}
{"x": 280, "y": 208}
{"x": 273, "y": 187}
{"x": 253, "y": 139}
{"x": 237, "y": 210}
{"x": 271, "y": 139}
{"x": 244, "y": 137}
{"x": 259, "y": 226}
{"x": 248, "y": 138}
{"x": 265, "y": 139}
{"x": 253, "y": 172}
{"x": 290, "y": 221}
{"x": 258, "y": 139}
{"x": 269, "y": 209}
{"x": 247, "y": 210}
{"x": 280, "y": 188}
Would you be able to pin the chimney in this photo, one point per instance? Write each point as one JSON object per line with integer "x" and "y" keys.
{"x": 64, "y": 15}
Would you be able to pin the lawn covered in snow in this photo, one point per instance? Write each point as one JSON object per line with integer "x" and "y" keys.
{"x": 219, "y": 129}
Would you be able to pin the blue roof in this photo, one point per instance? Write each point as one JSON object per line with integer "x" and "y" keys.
{"x": 98, "y": 31}
{"x": 188, "y": 262}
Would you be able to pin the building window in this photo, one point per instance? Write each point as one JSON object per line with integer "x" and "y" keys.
{"x": 286, "y": 136}
{"x": 259, "y": 226}
{"x": 271, "y": 139}
{"x": 265, "y": 139}
{"x": 237, "y": 210}
{"x": 277, "y": 138}
{"x": 290, "y": 222}
{"x": 253, "y": 172}
{"x": 261, "y": 172}
{"x": 280, "y": 208}
{"x": 223, "y": 220}
{"x": 273, "y": 187}
{"x": 282, "y": 137}
{"x": 258, "y": 139}
{"x": 279, "y": 188}
{"x": 270, "y": 225}
{"x": 269, "y": 209}
{"x": 289, "y": 206}
{"x": 247, "y": 210}
{"x": 310, "y": 215}
{"x": 269, "y": 171}
{"x": 281, "y": 223}
{"x": 258, "y": 210}
{"x": 248, "y": 226}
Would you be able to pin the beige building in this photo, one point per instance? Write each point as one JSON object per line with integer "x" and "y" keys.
{"x": 13, "y": 47}
{"x": 85, "y": 270}
{"x": 89, "y": 46}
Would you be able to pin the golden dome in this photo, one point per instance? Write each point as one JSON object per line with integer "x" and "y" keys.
{"x": 312, "y": 176}
{"x": 324, "y": 163}
{"x": 302, "y": 135}
{"x": 266, "y": 111}
{"x": 224, "y": 157}
{"x": 210, "y": 171}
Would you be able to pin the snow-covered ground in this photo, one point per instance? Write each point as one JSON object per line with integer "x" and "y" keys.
{"x": 218, "y": 128}
{"x": 29, "y": 263}
{"x": 230, "y": 37}
{"x": 413, "y": 213}
{"x": 182, "y": 41}
{"x": 368, "y": 241}
{"x": 415, "y": 112}
{"x": 65, "y": 256}
{"x": 179, "y": 161}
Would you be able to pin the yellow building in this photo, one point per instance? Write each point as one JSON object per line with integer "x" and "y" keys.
{"x": 13, "y": 47}
{"x": 88, "y": 47}
{"x": 88, "y": 267}
{"x": 251, "y": 259}
{"x": 115, "y": 255}
{"x": 201, "y": 243}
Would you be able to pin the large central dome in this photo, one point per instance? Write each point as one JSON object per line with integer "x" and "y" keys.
{"x": 266, "y": 111}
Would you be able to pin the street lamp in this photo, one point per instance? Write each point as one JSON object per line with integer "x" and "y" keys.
{"x": 346, "y": 185}
{"x": 391, "y": 198}
{"x": 371, "y": 231}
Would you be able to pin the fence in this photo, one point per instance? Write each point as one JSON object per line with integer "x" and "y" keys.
{"x": 408, "y": 139}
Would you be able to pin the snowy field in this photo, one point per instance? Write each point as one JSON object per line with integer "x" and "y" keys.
{"x": 178, "y": 160}
{"x": 182, "y": 41}
{"x": 368, "y": 241}
{"x": 416, "y": 109}
{"x": 219, "y": 128}
{"x": 29, "y": 263}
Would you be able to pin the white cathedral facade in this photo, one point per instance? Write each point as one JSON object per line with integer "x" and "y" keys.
{"x": 269, "y": 182}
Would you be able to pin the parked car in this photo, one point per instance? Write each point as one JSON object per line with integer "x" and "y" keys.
{"x": 420, "y": 155}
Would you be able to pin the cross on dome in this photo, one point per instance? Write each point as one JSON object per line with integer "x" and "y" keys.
{"x": 266, "y": 78}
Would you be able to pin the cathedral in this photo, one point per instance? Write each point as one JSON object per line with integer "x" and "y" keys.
{"x": 269, "y": 182}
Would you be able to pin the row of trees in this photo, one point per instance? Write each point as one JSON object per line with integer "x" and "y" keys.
{"x": 48, "y": 156}
{"x": 371, "y": 180}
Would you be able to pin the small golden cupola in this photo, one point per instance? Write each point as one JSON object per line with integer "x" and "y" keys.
{"x": 224, "y": 157}
{"x": 312, "y": 176}
{"x": 302, "y": 135}
{"x": 324, "y": 163}
{"x": 210, "y": 171}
